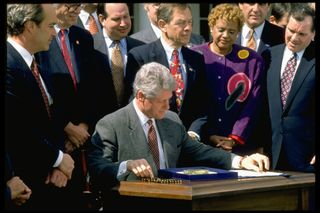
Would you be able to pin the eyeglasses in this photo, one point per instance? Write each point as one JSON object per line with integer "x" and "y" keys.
{"x": 73, "y": 7}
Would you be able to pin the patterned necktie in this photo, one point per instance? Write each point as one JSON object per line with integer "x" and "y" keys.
{"x": 93, "y": 27}
{"x": 176, "y": 73}
{"x": 251, "y": 41}
{"x": 67, "y": 58}
{"x": 117, "y": 71}
{"x": 153, "y": 144}
{"x": 35, "y": 72}
{"x": 287, "y": 78}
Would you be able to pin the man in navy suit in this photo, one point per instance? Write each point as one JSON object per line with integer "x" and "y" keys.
{"x": 71, "y": 63}
{"x": 292, "y": 108}
{"x": 116, "y": 24}
{"x": 28, "y": 117}
{"x": 176, "y": 31}
{"x": 152, "y": 32}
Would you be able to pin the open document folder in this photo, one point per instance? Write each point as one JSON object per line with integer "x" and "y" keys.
{"x": 248, "y": 173}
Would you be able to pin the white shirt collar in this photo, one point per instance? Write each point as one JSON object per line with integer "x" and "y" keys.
{"x": 142, "y": 117}
{"x": 25, "y": 54}
{"x": 257, "y": 31}
{"x": 156, "y": 30}
{"x": 57, "y": 29}
{"x": 84, "y": 17}
{"x": 110, "y": 42}
{"x": 288, "y": 53}
{"x": 168, "y": 49}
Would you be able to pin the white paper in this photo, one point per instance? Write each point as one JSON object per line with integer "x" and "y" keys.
{"x": 248, "y": 173}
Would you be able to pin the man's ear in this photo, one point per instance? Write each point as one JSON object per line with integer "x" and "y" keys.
{"x": 162, "y": 25}
{"x": 140, "y": 96}
{"x": 29, "y": 26}
{"x": 272, "y": 19}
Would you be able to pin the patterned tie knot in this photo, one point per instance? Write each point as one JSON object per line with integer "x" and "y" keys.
{"x": 251, "y": 40}
{"x": 117, "y": 67}
{"x": 176, "y": 73}
{"x": 175, "y": 58}
{"x": 287, "y": 78}
{"x": 93, "y": 27}
{"x": 34, "y": 68}
{"x": 153, "y": 144}
{"x": 35, "y": 72}
{"x": 117, "y": 44}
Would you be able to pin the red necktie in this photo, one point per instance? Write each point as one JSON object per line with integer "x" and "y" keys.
{"x": 35, "y": 72}
{"x": 67, "y": 58}
{"x": 287, "y": 78}
{"x": 153, "y": 144}
{"x": 93, "y": 27}
{"x": 176, "y": 73}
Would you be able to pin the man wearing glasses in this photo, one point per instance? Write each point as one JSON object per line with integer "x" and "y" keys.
{"x": 70, "y": 61}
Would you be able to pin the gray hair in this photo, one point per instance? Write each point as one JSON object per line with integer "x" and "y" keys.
{"x": 18, "y": 14}
{"x": 152, "y": 78}
{"x": 165, "y": 10}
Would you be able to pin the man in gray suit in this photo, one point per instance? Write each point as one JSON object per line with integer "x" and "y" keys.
{"x": 119, "y": 149}
{"x": 153, "y": 32}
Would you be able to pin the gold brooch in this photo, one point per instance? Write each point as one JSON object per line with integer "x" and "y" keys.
{"x": 243, "y": 54}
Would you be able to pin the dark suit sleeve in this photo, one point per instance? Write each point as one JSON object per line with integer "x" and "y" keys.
{"x": 134, "y": 62}
{"x": 26, "y": 134}
{"x": 102, "y": 158}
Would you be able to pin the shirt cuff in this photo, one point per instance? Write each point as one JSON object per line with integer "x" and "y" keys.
{"x": 237, "y": 138}
{"x": 235, "y": 161}
{"x": 122, "y": 169}
{"x": 59, "y": 159}
{"x": 194, "y": 134}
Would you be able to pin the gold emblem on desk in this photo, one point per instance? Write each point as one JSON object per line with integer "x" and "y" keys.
{"x": 196, "y": 172}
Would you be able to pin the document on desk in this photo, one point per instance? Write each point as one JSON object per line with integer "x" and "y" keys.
{"x": 249, "y": 174}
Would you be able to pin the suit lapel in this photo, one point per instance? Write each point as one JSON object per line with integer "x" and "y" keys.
{"x": 301, "y": 73}
{"x": 57, "y": 57}
{"x": 265, "y": 32}
{"x": 138, "y": 139}
{"x": 166, "y": 135}
{"x": 158, "y": 54}
{"x": 274, "y": 78}
{"x": 100, "y": 44}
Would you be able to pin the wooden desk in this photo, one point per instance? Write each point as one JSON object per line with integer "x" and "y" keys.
{"x": 265, "y": 193}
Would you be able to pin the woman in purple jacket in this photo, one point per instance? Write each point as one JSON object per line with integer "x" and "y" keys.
{"x": 235, "y": 75}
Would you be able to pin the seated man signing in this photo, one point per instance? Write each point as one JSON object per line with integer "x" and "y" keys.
{"x": 145, "y": 136}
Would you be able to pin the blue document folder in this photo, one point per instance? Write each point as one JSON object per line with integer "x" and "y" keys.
{"x": 197, "y": 173}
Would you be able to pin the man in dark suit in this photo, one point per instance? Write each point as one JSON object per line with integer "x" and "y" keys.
{"x": 152, "y": 32}
{"x": 265, "y": 34}
{"x": 176, "y": 30}
{"x": 292, "y": 100}
{"x": 121, "y": 148}
{"x": 104, "y": 43}
{"x": 28, "y": 117}
{"x": 71, "y": 62}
